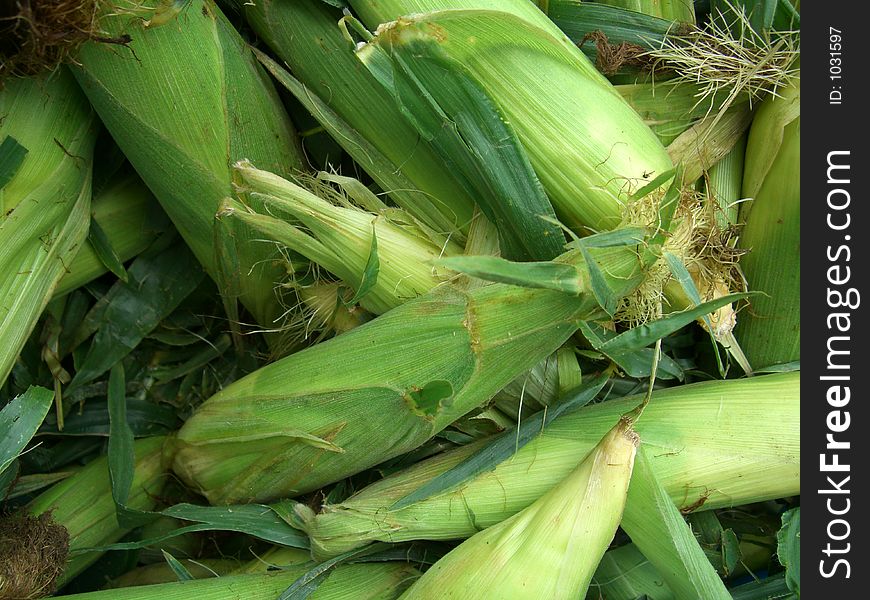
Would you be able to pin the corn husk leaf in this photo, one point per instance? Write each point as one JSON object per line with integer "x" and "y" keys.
{"x": 45, "y": 200}
{"x": 626, "y": 574}
{"x": 657, "y": 528}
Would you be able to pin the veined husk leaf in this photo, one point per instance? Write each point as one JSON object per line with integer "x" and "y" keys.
{"x": 589, "y": 149}
{"x": 711, "y": 444}
{"x": 769, "y": 330}
{"x": 681, "y": 11}
{"x": 551, "y": 548}
{"x": 45, "y": 201}
{"x": 83, "y": 503}
{"x": 317, "y": 416}
{"x": 184, "y": 100}
{"x": 305, "y": 34}
{"x": 130, "y": 217}
{"x": 626, "y": 574}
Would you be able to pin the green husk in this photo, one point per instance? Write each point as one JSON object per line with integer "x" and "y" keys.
{"x": 305, "y": 34}
{"x": 184, "y": 99}
{"x": 551, "y": 548}
{"x": 163, "y": 573}
{"x": 724, "y": 182}
{"x": 712, "y": 444}
{"x": 373, "y": 581}
{"x": 130, "y": 217}
{"x": 47, "y": 133}
{"x": 383, "y": 257}
{"x": 83, "y": 503}
{"x": 317, "y": 416}
{"x": 769, "y": 330}
{"x": 588, "y": 168}
{"x": 681, "y": 11}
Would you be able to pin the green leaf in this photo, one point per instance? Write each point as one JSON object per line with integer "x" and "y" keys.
{"x": 642, "y": 336}
{"x": 771, "y": 588}
{"x": 130, "y": 311}
{"x": 258, "y": 520}
{"x": 547, "y": 275}
{"x": 179, "y": 569}
{"x": 304, "y": 587}
{"x": 731, "y": 553}
{"x": 655, "y": 525}
{"x": 503, "y": 446}
{"x": 122, "y": 458}
{"x": 370, "y": 273}
{"x": 636, "y": 362}
{"x": 19, "y": 421}
{"x": 578, "y": 18}
{"x": 12, "y": 154}
{"x": 788, "y": 548}
{"x": 451, "y": 110}
{"x": 103, "y": 249}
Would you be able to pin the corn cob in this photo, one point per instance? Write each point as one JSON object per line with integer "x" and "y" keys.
{"x": 587, "y": 167}
{"x": 316, "y": 416}
{"x": 551, "y": 548}
{"x": 83, "y": 503}
{"x": 712, "y": 444}
{"x": 44, "y": 202}
{"x": 770, "y": 328}
{"x": 184, "y": 99}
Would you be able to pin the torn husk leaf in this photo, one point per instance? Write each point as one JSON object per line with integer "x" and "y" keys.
{"x": 551, "y": 548}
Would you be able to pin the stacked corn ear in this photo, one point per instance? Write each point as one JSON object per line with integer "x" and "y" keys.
{"x": 306, "y": 35}
{"x": 83, "y": 503}
{"x": 769, "y": 330}
{"x": 131, "y": 219}
{"x": 551, "y": 548}
{"x": 368, "y": 581}
{"x": 385, "y": 261}
{"x": 317, "y": 416}
{"x": 513, "y": 53}
{"x": 47, "y": 136}
{"x": 184, "y": 99}
{"x": 713, "y": 444}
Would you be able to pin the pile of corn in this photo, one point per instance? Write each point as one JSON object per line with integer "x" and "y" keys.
{"x": 399, "y": 299}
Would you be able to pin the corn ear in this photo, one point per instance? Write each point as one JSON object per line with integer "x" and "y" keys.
{"x": 184, "y": 99}
{"x": 713, "y": 444}
{"x": 47, "y": 136}
{"x": 162, "y": 572}
{"x": 370, "y": 581}
{"x": 383, "y": 261}
{"x": 551, "y": 548}
{"x": 83, "y": 503}
{"x": 588, "y": 168}
{"x": 130, "y": 217}
{"x": 305, "y": 34}
{"x": 769, "y": 330}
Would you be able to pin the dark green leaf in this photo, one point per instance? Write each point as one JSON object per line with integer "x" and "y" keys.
{"x": 19, "y": 421}
{"x": 145, "y": 418}
{"x": 772, "y": 588}
{"x": 130, "y": 311}
{"x": 788, "y": 548}
{"x": 122, "y": 458}
{"x": 503, "y": 446}
{"x": 102, "y": 247}
{"x": 258, "y": 520}
{"x": 547, "y": 275}
{"x": 731, "y": 553}
{"x": 635, "y": 362}
{"x": 453, "y": 112}
{"x": 12, "y": 155}
{"x": 179, "y": 569}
